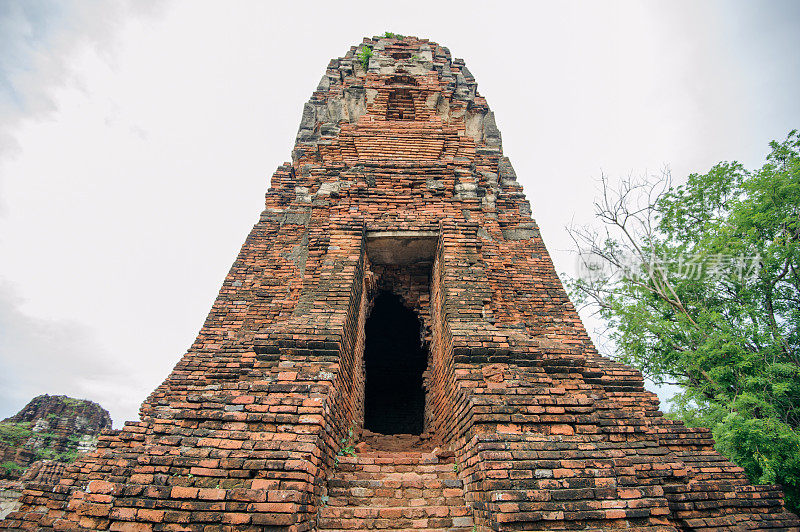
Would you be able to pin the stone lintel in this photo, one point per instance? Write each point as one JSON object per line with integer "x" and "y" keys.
{"x": 402, "y": 247}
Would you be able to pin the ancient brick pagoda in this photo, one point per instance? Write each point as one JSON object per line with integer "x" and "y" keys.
{"x": 396, "y": 283}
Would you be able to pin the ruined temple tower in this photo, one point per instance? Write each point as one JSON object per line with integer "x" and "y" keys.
{"x": 396, "y": 282}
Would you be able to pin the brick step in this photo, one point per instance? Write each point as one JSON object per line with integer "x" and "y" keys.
{"x": 395, "y": 512}
{"x": 389, "y": 474}
{"x": 459, "y": 523}
{"x": 395, "y": 523}
{"x": 405, "y": 465}
{"x": 375, "y": 471}
{"x": 396, "y": 482}
{"x": 372, "y": 466}
{"x": 394, "y": 457}
{"x": 449, "y": 529}
{"x": 439, "y": 469}
{"x": 377, "y": 488}
{"x": 354, "y": 480}
{"x": 395, "y": 490}
{"x": 423, "y": 499}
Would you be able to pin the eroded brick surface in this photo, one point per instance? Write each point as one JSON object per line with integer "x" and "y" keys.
{"x": 398, "y": 182}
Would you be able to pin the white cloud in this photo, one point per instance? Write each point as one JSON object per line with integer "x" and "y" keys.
{"x": 41, "y": 356}
{"x": 37, "y": 41}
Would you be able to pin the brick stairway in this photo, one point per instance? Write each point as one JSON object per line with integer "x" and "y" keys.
{"x": 395, "y": 490}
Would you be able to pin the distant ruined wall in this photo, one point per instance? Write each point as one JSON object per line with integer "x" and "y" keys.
{"x": 50, "y": 427}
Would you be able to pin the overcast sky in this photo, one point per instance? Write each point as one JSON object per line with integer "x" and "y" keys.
{"x": 137, "y": 140}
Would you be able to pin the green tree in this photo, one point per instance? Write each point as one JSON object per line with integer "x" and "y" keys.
{"x": 699, "y": 286}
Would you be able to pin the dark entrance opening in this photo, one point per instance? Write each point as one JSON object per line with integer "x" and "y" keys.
{"x": 394, "y": 400}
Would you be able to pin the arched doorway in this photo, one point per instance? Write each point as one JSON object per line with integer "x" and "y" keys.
{"x": 394, "y": 358}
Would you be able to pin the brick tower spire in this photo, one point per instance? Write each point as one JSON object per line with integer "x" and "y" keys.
{"x": 396, "y": 283}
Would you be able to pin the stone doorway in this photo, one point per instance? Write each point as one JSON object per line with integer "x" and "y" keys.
{"x": 394, "y": 359}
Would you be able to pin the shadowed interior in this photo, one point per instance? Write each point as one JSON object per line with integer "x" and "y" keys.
{"x": 395, "y": 359}
{"x": 401, "y": 105}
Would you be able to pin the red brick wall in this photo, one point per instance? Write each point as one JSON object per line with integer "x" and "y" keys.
{"x": 548, "y": 434}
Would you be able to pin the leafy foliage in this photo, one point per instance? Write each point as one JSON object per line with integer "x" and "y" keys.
{"x": 10, "y": 470}
{"x": 72, "y": 402}
{"x": 364, "y": 56}
{"x": 714, "y": 304}
{"x": 67, "y": 456}
{"x": 348, "y": 446}
{"x": 390, "y": 35}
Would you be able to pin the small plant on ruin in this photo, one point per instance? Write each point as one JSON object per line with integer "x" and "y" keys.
{"x": 67, "y": 456}
{"x": 455, "y": 468}
{"x": 15, "y": 433}
{"x": 348, "y": 447}
{"x": 348, "y": 444}
{"x": 44, "y": 454}
{"x": 364, "y": 55}
{"x": 10, "y": 469}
